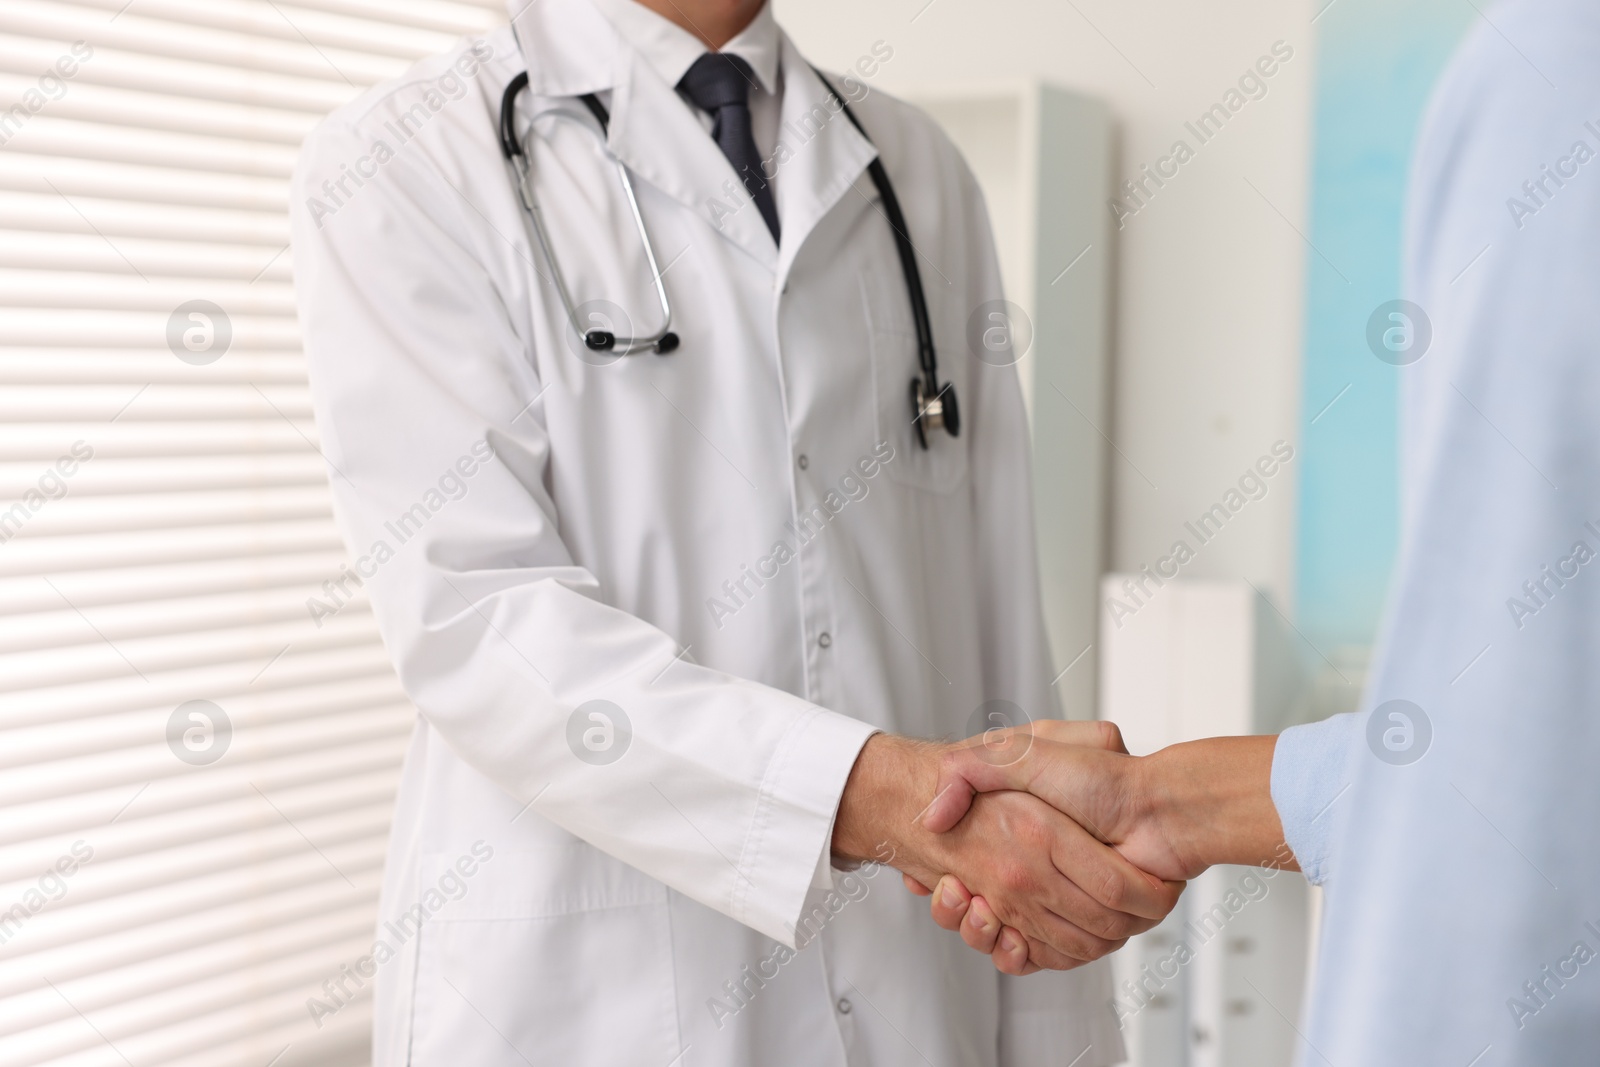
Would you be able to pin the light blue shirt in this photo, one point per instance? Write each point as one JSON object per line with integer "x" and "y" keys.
{"x": 1462, "y": 920}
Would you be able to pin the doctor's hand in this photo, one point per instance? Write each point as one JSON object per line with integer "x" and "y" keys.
{"x": 1173, "y": 814}
{"x": 1065, "y": 897}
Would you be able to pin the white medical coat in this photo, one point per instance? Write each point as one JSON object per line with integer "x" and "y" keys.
{"x": 738, "y": 545}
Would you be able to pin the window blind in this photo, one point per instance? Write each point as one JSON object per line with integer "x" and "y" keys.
{"x": 195, "y": 775}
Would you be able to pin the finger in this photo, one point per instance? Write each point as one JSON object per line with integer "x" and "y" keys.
{"x": 950, "y": 903}
{"x": 1011, "y": 954}
{"x": 1010, "y": 951}
{"x": 991, "y": 761}
{"x": 1098, "y": 733}
{"x": 981, "y": 929}
{"x": 951, "y": 799}
{"x": 1023, "y": 759}
{"x": 1071, "y": 943}
{"x": 915, "y": 886}
{"x": 1108, "y": 879}
{"x": 1073, "y": 903}
{"x": 1068, "y": 940}
{"x": 1041, "y": 957}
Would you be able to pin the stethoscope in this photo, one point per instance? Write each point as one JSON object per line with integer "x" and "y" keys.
{"x": 933, "y": 406}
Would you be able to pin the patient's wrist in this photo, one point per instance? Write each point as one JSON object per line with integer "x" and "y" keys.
{"x": 1211, "y": 801}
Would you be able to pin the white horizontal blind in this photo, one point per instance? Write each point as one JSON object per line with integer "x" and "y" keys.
{"x": 171, "y": 892}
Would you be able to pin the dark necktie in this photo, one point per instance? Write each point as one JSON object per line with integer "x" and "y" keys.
{"x": 719, "y": 84}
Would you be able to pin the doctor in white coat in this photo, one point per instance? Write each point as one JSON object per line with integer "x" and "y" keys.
{"x": 663, "y": 616}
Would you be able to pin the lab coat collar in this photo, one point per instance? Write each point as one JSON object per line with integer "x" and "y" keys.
{"x": 571, "y": 49}
{"x": 568, "y": 46}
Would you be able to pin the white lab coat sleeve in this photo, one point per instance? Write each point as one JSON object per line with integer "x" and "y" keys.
{"x": 1310, "y": 771}
{"x": 425, "y": 397}
{"x": 1051, "y": 1018}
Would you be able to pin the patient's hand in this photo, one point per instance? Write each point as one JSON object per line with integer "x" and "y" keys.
{"x": 1172, "y": 814}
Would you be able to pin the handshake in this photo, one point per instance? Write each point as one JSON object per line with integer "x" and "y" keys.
{"x": 1048, "y": 846}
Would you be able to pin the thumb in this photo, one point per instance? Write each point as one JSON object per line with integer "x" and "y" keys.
{"x": 1006, "y": 759}
{"x": 1090, "y": 733}
{"x": 991, "y": 761}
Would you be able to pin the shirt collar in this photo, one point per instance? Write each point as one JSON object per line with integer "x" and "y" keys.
{"x": 671, "y": 50}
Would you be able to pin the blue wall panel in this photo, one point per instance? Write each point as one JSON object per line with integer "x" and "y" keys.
{"x": 1377, "y": 62}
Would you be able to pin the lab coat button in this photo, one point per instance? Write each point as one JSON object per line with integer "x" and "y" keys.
{"x": 825, "y": 639}
{"x": 844, "y": 1006}
{"x": 803, "y": 461}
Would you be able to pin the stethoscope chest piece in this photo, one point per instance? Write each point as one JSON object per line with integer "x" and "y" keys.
{"x": 605, "y": 341}
{"x": 938, "y": 411}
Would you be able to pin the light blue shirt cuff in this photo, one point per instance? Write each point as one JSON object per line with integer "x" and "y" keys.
{"x": 1309, "y": 773}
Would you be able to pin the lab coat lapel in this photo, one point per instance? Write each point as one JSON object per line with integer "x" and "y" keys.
{"x": 568, "y": 46}
{"x": 819, "y": 157}
{"x": 571, "y": 49}
{"x": 659, "y": 138}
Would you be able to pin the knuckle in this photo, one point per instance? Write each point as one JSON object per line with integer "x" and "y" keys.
{"x": 1077, "y": 945}
{"x": 948, "y": 762}
{"x": 1135, "y": 925}
{"x": 1106, "y": 924}
{"x": 1111, "y": 889}
{"x": 1093, "y": 948}
{"x": 1111, "y": 736}
{"x": 1015, "y": 877}
{"x": 1048, "y": 729}
{"x": 1123, "y": 926}
{"x": 1046, "y": 957}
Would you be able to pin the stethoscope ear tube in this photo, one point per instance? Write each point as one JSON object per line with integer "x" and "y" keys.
{"x": 662, "y": 342}
{"x": 933, "y": 406}
{"x": 508, "y": 117}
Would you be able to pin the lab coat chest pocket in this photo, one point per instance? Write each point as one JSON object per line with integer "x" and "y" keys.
{"x": 942, "y": 466}
{"x": 557, "y": 954}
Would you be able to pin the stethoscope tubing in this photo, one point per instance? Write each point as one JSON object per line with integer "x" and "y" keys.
{"x": 932, "y": 405}
{"x": 516, "y": 154}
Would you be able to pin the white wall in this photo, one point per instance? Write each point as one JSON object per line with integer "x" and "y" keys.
{"x": 1209, "y": 273}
